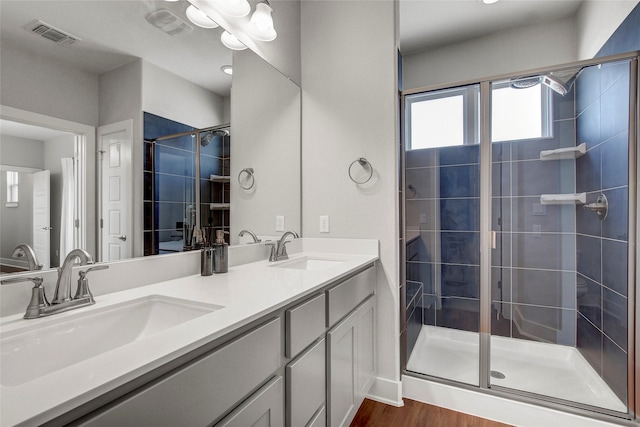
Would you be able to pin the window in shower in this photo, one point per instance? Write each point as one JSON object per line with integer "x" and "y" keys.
{"x": 520, "y": 112}
{"x": 442, "y": 118}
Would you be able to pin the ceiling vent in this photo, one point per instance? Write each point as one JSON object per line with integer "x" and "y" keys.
{"x": 51, "y": 33}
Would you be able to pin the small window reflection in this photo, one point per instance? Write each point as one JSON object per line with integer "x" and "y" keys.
{"x": 12, "y": 188}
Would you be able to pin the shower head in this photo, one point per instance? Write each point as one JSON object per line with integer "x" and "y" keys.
{"x": 210, "y": 134}
{"x": 524, "y": 82}
{"x": 561, "y": 82}
{"x": 555, "y": 84}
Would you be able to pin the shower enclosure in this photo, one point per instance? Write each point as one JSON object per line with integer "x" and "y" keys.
{"x": 520, "y": 228}
{"x": 186, "y": 184}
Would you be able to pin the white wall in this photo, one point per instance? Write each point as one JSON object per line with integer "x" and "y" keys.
{"x": 348, "y": 111}
{"x": 170, "y": 96}
{"x": 265, "y": 136}
{"x": 596, "y": 21}
{"x": 47, "y": 86}
{"x": 504, "y": 52}
{"x": 17, "y": 151}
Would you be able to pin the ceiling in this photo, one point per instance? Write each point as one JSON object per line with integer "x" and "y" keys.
{"x": 427, "y": 24}
{"x": 115, "y": 32}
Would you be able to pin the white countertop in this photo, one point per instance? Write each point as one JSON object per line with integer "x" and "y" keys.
{"x": 247, "y": 292}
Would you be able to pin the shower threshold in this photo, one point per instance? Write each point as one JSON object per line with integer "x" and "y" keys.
{"x": 546, "y": 369}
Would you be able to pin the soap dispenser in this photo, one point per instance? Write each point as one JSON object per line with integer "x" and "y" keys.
{"x": 220, "y": 253}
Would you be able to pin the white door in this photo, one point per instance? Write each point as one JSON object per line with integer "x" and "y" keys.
{"x": 42, "y": 217}
{"x": 115, "y": 142}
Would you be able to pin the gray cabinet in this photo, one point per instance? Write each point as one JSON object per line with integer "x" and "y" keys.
{"x": 351, "y": 363}
{"x": 289, "y": 370}
{"x": 204, "y": 390}
{"x": 265, "y": 408}
{"x": 306, "y": 385}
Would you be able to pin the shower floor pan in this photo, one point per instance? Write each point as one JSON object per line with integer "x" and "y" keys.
{"x": 545, "y": 369}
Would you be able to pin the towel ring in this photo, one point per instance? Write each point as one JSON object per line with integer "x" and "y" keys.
{"x": 249, "y": 172}
{"x": 364, "y": 163}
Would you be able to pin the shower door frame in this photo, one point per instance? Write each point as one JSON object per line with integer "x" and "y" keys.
{"x": 633, "y": 275}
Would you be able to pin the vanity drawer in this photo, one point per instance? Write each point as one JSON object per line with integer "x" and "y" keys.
{"x": 346, "y": 296}
{"x": 306, "y": 385}
{"x": 204, "y": 390}
{"x": 304, "y": 324}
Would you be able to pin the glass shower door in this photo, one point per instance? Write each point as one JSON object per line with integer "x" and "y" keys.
{"x": 442, "y": 160}
{"x": 558, "y": 270}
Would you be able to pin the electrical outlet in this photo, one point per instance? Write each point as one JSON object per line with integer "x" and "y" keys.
{"x": 279, "y": 222}
{"x": 423, "y": 218}
{"x": 537, "y": 230}
{"x": 324, "y": 223}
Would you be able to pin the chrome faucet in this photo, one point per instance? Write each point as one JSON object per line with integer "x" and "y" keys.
{"x": 63, "y": 286}
{"x": 250, "y": 233}
{"x": 279, "y": 250}
{"x": 39, "y": 306}
{"x": 24, "y": 250}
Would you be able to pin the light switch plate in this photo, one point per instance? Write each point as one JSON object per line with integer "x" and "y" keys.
{"x": 324, "y": 223}
{"x": 279, "y": 222}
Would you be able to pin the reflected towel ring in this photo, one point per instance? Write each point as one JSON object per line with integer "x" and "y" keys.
{"x": 364, "y": 163}
{"x": 413, "y": 190}
{"x": 249, "y": 172}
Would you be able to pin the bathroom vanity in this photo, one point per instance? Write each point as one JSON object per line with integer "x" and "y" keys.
{"x": 291, "y": 343}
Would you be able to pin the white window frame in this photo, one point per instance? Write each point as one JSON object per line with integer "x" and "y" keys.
{"x": 471, "y": 112}
{"x": 546, "y": 116}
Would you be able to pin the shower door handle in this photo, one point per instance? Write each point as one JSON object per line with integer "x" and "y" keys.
{"x": 494, "y": 239}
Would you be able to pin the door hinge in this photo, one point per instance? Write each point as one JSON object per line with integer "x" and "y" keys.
{"x": 76, "y": 223}
{"x": 101, "y": 223}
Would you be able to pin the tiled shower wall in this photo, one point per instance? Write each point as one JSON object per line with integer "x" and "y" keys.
{"x": 443, "y": 242}
{"x": 170, "y": 183}
{"x": 533, "y": 290}
{"x": 533, "y": 263}
{"x": 602, "y": 246}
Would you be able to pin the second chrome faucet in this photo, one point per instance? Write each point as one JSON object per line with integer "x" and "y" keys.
{"x": 279, "y": 249}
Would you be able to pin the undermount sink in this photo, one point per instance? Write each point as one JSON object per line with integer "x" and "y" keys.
{"x": 309, "y": 264}
{"x": 38, "y": 349}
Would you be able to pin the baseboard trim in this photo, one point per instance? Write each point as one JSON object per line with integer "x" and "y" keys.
{"x": 386, "y": 391}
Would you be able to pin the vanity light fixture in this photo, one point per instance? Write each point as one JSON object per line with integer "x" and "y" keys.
{"x": 230, "y": 41}
{"x": 200, "y": 18}
{"x": 261, "y": 23}
{"x": 227, "y": 69}
{"x": 489, "y": 1}
{"x": 234, "y": 8}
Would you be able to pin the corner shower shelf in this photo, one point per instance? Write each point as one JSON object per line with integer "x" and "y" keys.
{"x": 563, "y": 199}
{"x": 219, "y": 206}
{"x": 564, "y": 153}
{"x": 219, "y": 178}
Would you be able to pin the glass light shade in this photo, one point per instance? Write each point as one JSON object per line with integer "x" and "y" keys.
{"x": 233, "y": 8}
{"x": 200, "y": 18}
{"x": 230, "y": 41}
{"x": 261, "y": 24}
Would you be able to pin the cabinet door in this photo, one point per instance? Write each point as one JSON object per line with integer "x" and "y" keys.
{"x": 351, "y": 363}
{"x": 306, "y": 385}
{"x": 342, "y": 368}
{"x": 366, "y": 357}
{"x": 263, "y": 409}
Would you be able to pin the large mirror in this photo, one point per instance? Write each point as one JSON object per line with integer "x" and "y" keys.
{"x": 107, "y": 70}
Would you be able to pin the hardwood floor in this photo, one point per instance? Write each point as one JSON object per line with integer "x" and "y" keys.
{"x": 415, "y": 414}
